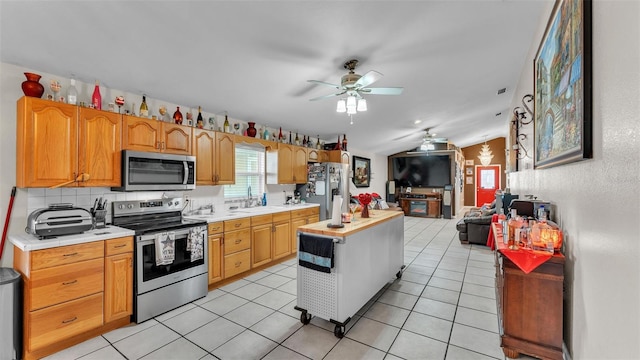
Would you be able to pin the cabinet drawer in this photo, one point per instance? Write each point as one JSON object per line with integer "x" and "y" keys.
{"x": 215, "y": 227}
{"x": 237, "y": 224}
{"x": 237, "y": 263}
{"x": 261, "y": 219}
{"x": 41, "y": 259}
{"x": 236, "y": 240}
{"x": 281, "y": 216}
{"x": 118, "y": 246}
{"x": 304, "y": 212}
{"x": 59, "y": 322}
{"x": 58, "y": 284}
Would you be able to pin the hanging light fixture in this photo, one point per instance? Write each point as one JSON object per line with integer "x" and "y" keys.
{"x": 351, "y": 105}
{"x": 362, "y": 105}
{"x": 485, "y": 154}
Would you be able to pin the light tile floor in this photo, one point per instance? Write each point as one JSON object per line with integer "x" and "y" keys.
{"x": 443, "y": 307}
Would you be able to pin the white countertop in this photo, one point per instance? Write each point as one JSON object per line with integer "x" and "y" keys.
{"x": 248, "y": 212}
{"x": 27, "y": 242}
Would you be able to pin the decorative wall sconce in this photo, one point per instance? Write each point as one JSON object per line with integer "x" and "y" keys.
{"x": 520, "y": 120}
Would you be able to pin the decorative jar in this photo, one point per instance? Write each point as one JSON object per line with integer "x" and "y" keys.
{"x": 32, "y": 87}
{"x": 251, "y": 131}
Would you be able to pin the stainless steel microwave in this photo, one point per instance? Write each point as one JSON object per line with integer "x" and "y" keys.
{"x": 148, "y": 171}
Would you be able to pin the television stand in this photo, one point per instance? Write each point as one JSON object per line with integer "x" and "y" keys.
{"x": 421, "y": 205}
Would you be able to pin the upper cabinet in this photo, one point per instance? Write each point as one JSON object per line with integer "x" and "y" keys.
{"x": 60, "y": 144}
{"x": 287, "y": 165}
{"x": 317, "y": 156}
{"x": 215, "y": 157}
{"x": 339, "y": 156}
{"x": 152, "y": 135}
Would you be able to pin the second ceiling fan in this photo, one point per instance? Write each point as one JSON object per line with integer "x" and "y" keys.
{"x": 356, "y": 85}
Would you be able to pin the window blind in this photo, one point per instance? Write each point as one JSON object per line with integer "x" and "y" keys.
{"x": 250, "y": 171}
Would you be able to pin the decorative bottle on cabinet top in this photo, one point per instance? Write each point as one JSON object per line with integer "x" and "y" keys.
{"x": 344, "y": 142}
{"x": 227, "y": 127}
{"x": 177, "y": 116}
{"x": 96, "y": 98}
{"x": 200, "y": 120}
{"x": 144, "y": 110}
{"x": 72, "y": 93}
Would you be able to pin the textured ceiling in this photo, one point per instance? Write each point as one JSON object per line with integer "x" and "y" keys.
{"x": 253, "y": 59}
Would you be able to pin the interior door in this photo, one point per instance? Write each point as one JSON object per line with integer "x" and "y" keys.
{"x": 487, "y": 182}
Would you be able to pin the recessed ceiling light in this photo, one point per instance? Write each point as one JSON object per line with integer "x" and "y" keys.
{"x": 417, "y": 122}
{"x": 502, "y": 91}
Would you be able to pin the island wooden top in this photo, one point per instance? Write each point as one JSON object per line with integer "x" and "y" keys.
{"x": 375, "y": 217}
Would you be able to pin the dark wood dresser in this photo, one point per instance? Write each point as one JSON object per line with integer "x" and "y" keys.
{"x": 530, "y": 307}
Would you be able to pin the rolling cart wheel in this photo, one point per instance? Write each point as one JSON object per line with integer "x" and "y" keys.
{"x": 305, "y": 318}
{"x": 399, "y": 274}
{"x": 338, "y": 332}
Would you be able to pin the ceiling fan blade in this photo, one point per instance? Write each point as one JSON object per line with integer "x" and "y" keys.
{"x": 368, "y": 79}
{"x": 324, "y": 83}
{"x": 327, "y": 96}
{"x": 383, "y": 91}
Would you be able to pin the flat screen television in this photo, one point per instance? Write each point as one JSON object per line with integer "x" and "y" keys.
{"x": 422, "y": 170}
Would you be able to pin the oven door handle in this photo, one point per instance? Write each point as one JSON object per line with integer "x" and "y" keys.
{"x": 149, "y": 238}
{"x": 186, "y": 172}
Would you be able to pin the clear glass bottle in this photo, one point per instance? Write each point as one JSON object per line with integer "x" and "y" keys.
{"x": 227, "y": 127}
{"x": 144, "y": 109}
{"x": 96, "y": 98}
{"x": 72, "y": 93}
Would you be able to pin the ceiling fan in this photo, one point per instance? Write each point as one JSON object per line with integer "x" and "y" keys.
{"x": 353, "y": 84}
{"x": 428, "y": 142}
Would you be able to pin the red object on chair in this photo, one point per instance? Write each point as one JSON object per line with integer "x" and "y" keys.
{"x": 490, "y": 241}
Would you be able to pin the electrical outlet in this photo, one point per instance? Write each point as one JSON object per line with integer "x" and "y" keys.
{"x": 186, "y": 198}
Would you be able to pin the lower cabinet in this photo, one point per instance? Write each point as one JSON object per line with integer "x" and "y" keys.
{"x": 73, "y": 293}
{"x": 281, "y": 235}
{"x": 118, "y": 279}
{"x": 261, "y": 238}
{"x": 530, "y": 308}
{"x": 215, "y": 251}
{"x": 302, "y": 217}
{"x": 237, "y": 246}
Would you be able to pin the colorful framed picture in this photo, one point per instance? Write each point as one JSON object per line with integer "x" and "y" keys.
{"x": 468, "y": 162}
{"x": 361, "y": 171}
{"x": 562, "y": 82}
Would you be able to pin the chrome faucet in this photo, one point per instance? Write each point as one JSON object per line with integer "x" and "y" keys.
{"x": 249, "y": 202}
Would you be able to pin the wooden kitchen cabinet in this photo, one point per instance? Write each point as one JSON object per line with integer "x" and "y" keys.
{"x": 118, "y": 279}
{"x": 237, "y": 246}
{"x": 225, "y": 155}
{"x": 292, "y": 164}
{"x": 339, "y": 156}
{"x": 281, "y": 233}
{"x": 317, "y": 156}
{"x": 261, "y": 239}
{"x": 301, "y": 217}
{"x": 215, "y": 251}
{"x": 142, "y": 134}
{"x": 530, "y": 308}
{"x": 57, "y": 142}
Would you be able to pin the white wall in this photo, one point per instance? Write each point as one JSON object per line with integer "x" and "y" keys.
{"x": 378, "y": 181}
{"x": 598, "y": 200}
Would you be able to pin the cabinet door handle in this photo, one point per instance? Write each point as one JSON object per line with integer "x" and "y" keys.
{"x": 238, "y": 241}
{"x": 70, "y": 282}
{"x": 119, "y": 246}
{"x": 72, "y": 254}
{"x": 70, "y": 320}
{"x": 237, "y": 225}
{"x": 238, "y": 263}
{"x": 158, "y": 145}
{"x": 164, "y": 145}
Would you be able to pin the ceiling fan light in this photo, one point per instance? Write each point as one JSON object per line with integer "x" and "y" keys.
{"x": 351, "y": 102}
{"x": 362, "y": 105}
{"x": 351, "y": 110}
{"x": 342, "y": 106}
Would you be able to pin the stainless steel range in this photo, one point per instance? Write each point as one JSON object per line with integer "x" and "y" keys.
{"x": 177, "y": 274}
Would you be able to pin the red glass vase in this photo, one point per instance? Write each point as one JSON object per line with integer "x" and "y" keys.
{"x": 177, "y": 116}
{"x": 32, "y": 87}
{"x": 251, "y": 131}
{"x": 365, "y": 211}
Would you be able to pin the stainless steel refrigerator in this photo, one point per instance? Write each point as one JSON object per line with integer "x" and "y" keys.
{"x": 324, "y": 181}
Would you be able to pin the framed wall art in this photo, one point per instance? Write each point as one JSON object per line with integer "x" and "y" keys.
{"x": 361, "y": 171}
{"x": 562, "y": 82}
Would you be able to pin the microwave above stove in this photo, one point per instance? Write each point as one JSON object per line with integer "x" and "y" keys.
{"x": 148, "y": 171}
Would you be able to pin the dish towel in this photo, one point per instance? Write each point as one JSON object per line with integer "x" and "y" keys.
{"x": 195, "y": 243}
{"x": 165, "y": 248}
{"x": 316, "y": 253}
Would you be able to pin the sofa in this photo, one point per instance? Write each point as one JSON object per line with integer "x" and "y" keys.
{"x": 474, "y": 226}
